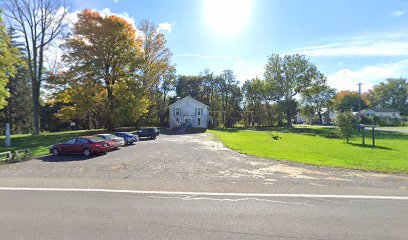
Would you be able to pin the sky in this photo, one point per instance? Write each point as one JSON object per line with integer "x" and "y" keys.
{"x": 350, "y": 41}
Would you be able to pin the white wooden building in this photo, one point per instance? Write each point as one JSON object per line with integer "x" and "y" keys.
{"x": 381, "y": 112}
{"x": 189, "y": 112}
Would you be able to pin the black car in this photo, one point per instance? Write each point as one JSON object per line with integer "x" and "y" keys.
{"x": 150, "y": 133}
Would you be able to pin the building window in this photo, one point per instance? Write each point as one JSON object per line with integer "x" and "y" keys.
{"x": 393, "y": 114}
{"x": 199, "y": 121}
{"x": 177, "y": 111}
{"x": 199, "y": 111}
{"x": 177, "y": 121}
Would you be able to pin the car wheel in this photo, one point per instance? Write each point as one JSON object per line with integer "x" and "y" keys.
{"x": 55, "y": 152}
{"x": 87, "y": 152}
{"x": 126, "y": 142}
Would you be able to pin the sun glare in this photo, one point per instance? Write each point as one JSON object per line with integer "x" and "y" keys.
{"x": 227, "y": 17}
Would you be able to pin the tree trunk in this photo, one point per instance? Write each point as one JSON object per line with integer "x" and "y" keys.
{"x": 109, "y": 122}
{"x": 288, "y": 118}
{"x": 89, "y": 121}
{"x": 36, "y": 107}
{"x": 328, "y": 116}
{"x": 320, "y": 117}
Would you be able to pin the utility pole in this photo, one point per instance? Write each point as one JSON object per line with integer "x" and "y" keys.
{"x": 359, "y": 94}
{"x": 8, "y": 135}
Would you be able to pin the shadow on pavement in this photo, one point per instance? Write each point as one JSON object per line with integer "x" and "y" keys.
{"x": 184, "y": 132}
{"x": 67, "y": 158}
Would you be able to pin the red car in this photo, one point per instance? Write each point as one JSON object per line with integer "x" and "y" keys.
{"x": 82, "y": 145}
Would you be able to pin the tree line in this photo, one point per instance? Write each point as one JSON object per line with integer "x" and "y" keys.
{"x": 115, "y": 75}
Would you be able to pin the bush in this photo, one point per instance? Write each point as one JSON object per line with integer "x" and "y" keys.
{"x": 386, "y": 121}
{"x": 345, "y": 125}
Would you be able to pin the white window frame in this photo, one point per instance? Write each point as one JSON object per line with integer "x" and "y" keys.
{"x": 199, "y": 111}
{"x": 177, "y": 111}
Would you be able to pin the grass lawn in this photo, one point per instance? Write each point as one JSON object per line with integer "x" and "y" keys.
{"x": 39, "y": 144}
{"x": 317, "y": 146}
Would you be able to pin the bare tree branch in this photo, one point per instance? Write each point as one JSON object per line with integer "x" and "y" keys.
{"x": 40, "y": 22}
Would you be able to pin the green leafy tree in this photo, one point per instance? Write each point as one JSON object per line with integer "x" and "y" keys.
{"x": 231, "y": 98}
{"x": 254, "y": 95}
{"x": 17, "y": 112}
{"x": 156, "y": 64}
{"x": 288, "y": 76}
{"x": 104, "y": 55}
{"x": 345, "y": 101}
{"x": 190, "y": 86}
{"x": 167, "y": 85}
{"x": 317, "y": 98}
{"x": 390, "y": 94}
{"x": 345, "y": 125}
{"x": 8, "y": 61}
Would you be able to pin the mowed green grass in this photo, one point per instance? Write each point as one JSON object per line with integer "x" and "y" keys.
{"x": 317, "y": 146}
{"x": 39, "y": 144}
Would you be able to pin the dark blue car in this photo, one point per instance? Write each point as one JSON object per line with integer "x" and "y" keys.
{"x": 129, "y": 138}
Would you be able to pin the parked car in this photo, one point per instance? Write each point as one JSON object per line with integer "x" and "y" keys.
{"x": 81, "y": 145}
{"x": 113, "y": 140}
{"x": 150, "y": 133}
{"x": 128, "y": 137}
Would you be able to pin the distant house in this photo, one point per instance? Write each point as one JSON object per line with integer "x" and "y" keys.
{"x": 381, "y": 112}
{"x": 327, "y": 117}
{"x": 189, "y": 112}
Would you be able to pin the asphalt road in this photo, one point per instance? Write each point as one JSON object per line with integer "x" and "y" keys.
{"x": 98, "y": 215}
{"x": 206, "y": 175}
{"x": 194, "y": 162}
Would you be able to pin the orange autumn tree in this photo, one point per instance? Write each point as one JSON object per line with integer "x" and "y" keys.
{"x": 104, "y": 57}
{"x": 345, "y": 101}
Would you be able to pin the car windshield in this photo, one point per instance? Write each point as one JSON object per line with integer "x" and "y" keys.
{"x": 109, "y": 136}
{"x": 96, "y": 139}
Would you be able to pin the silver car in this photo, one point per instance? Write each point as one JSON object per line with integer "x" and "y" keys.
{"x": 115, "y": 140}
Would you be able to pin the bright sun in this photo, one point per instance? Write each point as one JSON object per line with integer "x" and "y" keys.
{"x": 227, "y": 17}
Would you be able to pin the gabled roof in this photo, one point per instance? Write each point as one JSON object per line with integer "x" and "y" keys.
{"x": 186, "y": 98}
{"x": 384, "y": 110}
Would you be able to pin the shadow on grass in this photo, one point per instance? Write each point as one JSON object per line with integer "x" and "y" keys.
{"x": 368, "y": 146}
{"x": 386, "y": 135}
{"x": 321, "y": 131}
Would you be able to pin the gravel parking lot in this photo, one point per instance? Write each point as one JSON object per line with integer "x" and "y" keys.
{"x": 174, "y": 161}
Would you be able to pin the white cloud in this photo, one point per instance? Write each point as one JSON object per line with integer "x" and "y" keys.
{"x": 391, "y": 43}
{"x": 206, "y": 56}
{"x": 398, "y": 13}
{"x": 107, "y": 12}
{"x": 166, "y": 26}
{"x": 346, "y": 79}
{"x": 116, "y": 1}
{"x": 247, "y": 70}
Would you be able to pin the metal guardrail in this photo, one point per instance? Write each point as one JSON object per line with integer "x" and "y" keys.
{"x": 22, "y": 154}
{"x": 16, "y": 156}
{"x": 6, "y": 156}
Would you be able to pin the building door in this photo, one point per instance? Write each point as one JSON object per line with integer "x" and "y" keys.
{"x": 188, "y": 122}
